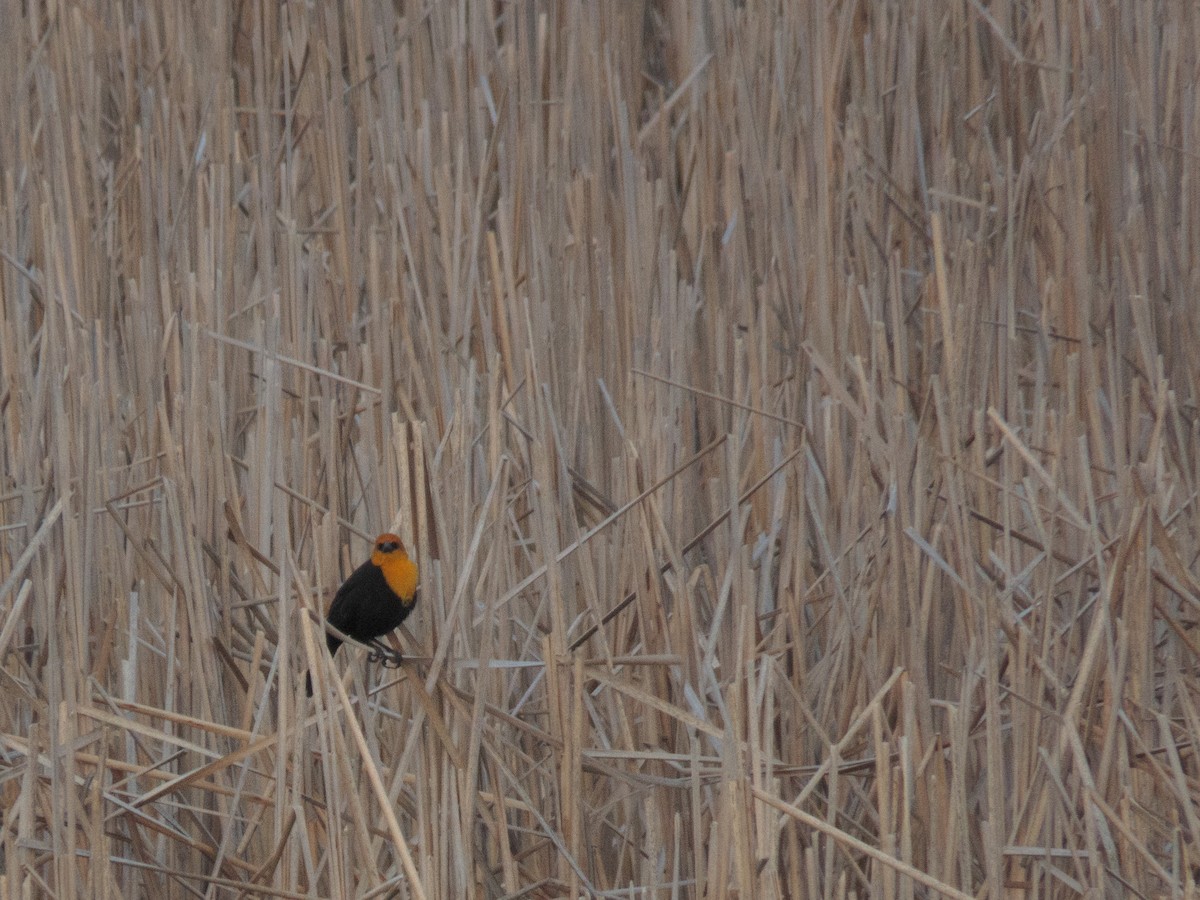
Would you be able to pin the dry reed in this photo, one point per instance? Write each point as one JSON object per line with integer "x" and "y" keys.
{"x": 793, "y": 406}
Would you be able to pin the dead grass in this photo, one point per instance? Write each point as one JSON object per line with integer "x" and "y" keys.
{"x": 795, "y": 412}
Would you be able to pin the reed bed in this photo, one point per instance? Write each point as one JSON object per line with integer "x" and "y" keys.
{"x": 793, "y": 409}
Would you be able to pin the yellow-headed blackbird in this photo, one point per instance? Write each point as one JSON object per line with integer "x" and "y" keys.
{"x": 376, "y": 598}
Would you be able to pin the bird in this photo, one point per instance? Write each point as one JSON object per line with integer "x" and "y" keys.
{"x": 374, "y": 600}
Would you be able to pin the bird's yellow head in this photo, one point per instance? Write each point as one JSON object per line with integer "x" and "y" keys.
{"x": 399, "y": 571}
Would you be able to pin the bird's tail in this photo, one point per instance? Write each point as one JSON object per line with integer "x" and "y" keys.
{"x": 333, "y": 644}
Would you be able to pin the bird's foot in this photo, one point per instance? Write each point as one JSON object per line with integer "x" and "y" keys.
{"x": 385, "y": 656}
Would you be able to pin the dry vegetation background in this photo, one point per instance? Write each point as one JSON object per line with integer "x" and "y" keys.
{"x": 793, "y": 407}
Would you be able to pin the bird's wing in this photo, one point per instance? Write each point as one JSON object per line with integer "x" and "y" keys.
{"x": 346, "y": 606}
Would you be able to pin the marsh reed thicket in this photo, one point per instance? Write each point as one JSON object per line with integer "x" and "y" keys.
{"x": 793, "y": 407}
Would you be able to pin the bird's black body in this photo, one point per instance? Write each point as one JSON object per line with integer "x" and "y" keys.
{"x": 374, "y": 600}
{"x": 365, "y": 607}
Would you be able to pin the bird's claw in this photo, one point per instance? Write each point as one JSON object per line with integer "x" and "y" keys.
{"x": 386, "y": 657}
